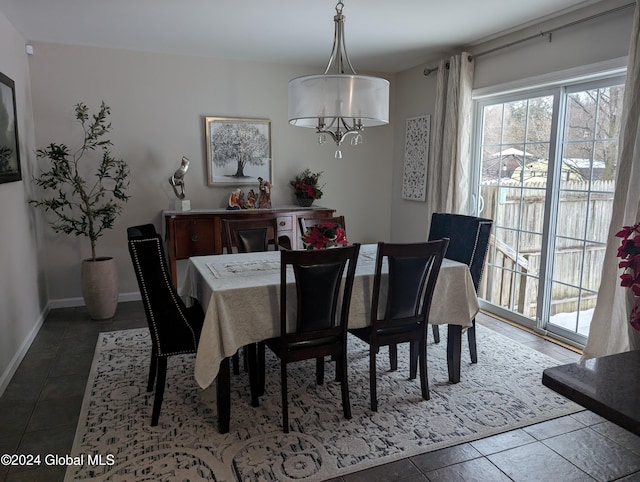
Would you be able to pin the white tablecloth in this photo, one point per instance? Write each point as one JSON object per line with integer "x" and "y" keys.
{"x": 240, "y": 294}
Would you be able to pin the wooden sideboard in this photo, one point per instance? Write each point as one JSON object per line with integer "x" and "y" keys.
{"x": 199, "y": 232}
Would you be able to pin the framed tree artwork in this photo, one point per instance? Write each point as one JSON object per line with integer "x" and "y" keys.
{"x": 416, "y": 156}
{"x": 238, "y": 151}
{"x": 9, "y": 151}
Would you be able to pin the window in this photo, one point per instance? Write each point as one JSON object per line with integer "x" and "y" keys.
{"x": 546, "y": 165}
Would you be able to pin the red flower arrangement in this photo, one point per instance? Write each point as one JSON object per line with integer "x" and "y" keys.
{"x": 324, "y": 235}
{"x": 629, "y": 253}
{"x": 305, "y": 185}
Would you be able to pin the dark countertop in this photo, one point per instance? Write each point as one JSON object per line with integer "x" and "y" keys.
{"x": 608, "y": 386}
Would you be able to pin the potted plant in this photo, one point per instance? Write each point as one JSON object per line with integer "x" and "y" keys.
{"x": 324, "y": 236}
{"x": 85, "y": 200}
{"x": 305, "y": 186}
{"x": 629, "y": 254}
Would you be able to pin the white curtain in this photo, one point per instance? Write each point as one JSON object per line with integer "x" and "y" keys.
{"x": 448, "y": 171}
{"x": 610, "y": 330}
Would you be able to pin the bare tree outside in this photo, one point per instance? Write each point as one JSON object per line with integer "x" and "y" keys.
{"x": 590, "y": 138}
{"x": 593, "y": 127}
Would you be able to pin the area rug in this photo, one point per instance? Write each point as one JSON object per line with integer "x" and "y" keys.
{"x": 114, "y": 439}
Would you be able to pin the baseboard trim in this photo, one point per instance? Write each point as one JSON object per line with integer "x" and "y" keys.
{"x": 6, "y": 377}
{"x": 74, "y": 302}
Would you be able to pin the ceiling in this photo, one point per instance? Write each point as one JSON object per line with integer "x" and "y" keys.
{"x": 388, "y": 36}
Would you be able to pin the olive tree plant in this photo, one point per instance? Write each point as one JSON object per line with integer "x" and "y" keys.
{"x": 85, "y": 198}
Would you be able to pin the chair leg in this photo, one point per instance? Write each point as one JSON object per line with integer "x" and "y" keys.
{"x": 245, "y": 358}
{"x": 320, "y": 371}
{"x": 424, "y": 380}
{"x": 236, "y": 364}
{"x": 372, "y": 378}
{"x": 261, "y": 362}
{"x": 393, "y": 357}
{"x": 413, "y": 360}
{"x": 436, "y": 333}
{"x": 338, "y": 370}
{"x": 471, "y": 336}
{"x": 344, "y": 385}
{"x": 153, "y": 367}
{"x": 285, "y": 403}
{"x": 157, "y": 400}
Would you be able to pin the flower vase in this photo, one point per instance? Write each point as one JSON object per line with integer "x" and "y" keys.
{"x": 305, "y": 202}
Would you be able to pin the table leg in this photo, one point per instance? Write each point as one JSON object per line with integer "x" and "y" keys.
{"x": 223, "y": 392}
{"x": 454, "y": 347}
{"x": 254, "y": 373}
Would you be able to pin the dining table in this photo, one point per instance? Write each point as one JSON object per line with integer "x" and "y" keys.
{"x": 240, "y": 296}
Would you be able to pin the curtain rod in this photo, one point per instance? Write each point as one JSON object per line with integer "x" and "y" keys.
{"x": 550, "y": 32}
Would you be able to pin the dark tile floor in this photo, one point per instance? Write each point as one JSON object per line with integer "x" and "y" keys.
{"x": 39, "y": 412}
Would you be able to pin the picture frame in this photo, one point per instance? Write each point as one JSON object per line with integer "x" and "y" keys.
{"x": 238, "y": 151}
{"x": 9, "y": 145}
{"x": 416, "y": 156}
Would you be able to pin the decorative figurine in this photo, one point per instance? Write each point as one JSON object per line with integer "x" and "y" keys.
{"x": 177, "y": 181}
{"x": 250, "y": 203}
{"x": 265, "y": 194}
{"x": 235, "y": 199}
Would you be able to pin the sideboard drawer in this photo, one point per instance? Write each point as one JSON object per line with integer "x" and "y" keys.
{"x": 285, "y": 223}
{"x": 194, "y": 237}
{"x": 285, "y": 231}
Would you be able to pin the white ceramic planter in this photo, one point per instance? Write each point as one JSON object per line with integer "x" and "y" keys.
{"x": 99, "y": 280}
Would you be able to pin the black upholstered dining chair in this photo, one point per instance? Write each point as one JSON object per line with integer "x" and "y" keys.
{"x": 410, "y": 281}
{"x": 319, "y": 329}
{"x": 174, "y": 328}
{"x": 469, "y": 240}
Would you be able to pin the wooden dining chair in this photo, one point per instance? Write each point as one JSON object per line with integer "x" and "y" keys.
{"x": 174, "y": 328}
{"x": 410, "y": 278}
{"x": 469, "y": 241}
{"x": 319, "y": 329}
{"x": 306, "y": 223}
{"x": 249, "y": 236}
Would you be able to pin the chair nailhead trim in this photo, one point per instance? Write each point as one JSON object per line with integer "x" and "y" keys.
{"x": 145, "y": 295}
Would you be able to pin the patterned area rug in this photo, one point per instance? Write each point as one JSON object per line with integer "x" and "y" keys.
{"x": 503, "y": 391}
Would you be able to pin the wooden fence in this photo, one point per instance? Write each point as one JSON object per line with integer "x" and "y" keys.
{"x": 513, "y": 260}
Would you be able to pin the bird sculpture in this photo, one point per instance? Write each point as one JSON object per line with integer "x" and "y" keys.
{"x": 177, "y": 180}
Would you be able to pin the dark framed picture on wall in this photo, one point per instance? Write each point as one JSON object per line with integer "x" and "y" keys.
{"x": 238, "y": 151}
{"x": 9, "y": 152}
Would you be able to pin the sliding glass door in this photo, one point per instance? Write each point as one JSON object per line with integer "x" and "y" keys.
{"x": 546, "y": 176}
{"x": 589, "y": 153}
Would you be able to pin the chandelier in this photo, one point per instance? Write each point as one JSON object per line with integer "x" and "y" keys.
{"x": 336, "y": 103}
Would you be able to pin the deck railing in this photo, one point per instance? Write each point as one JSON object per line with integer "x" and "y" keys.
{"x": 513, "y": 261}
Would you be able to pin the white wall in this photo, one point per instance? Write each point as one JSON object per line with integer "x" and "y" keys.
{"x": 596, "y": 41}
{"x": 158, "y": 105}
{"x": 22, "y": 288}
